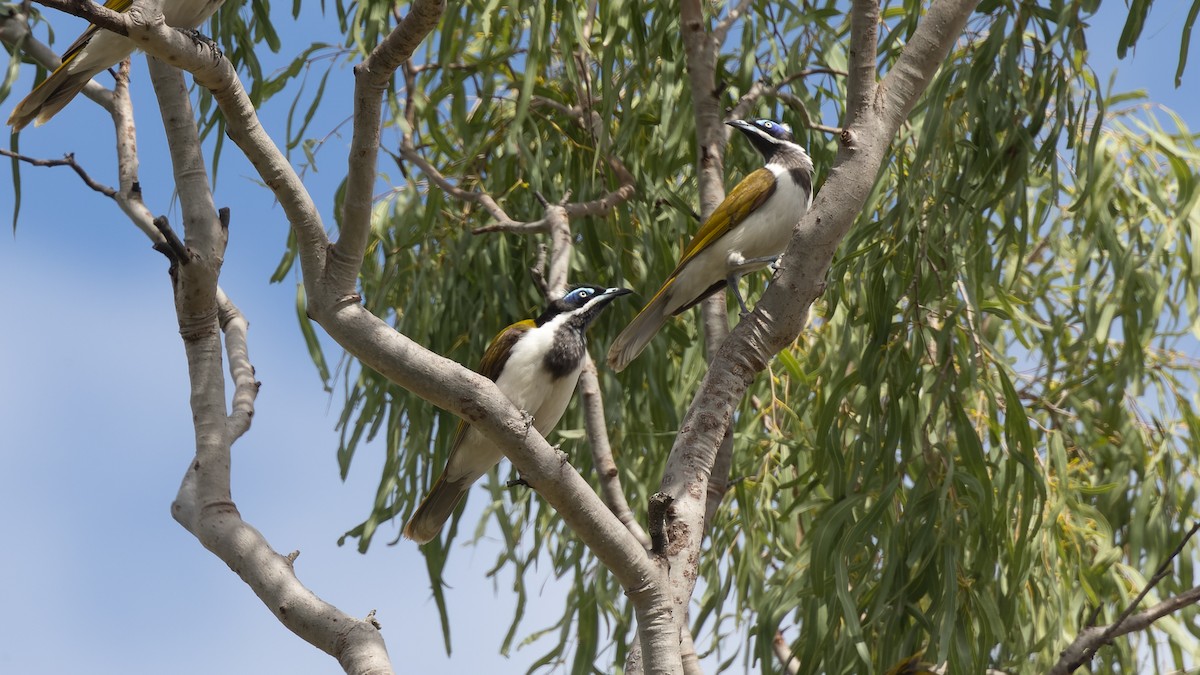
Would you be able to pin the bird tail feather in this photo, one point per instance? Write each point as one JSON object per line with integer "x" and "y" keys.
{"x": 46, "y": 99}
{"x": 638, "y": 333}
{"x": 435, "y": 509}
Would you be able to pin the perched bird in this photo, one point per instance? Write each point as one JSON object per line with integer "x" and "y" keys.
{"x": 94, "y": 51}
{"x": 747, "y": 232}
{"x": 536, "y": 363}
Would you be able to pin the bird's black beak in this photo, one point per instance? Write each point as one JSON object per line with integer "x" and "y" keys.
{"x": 740, "y": 124}
{"x": 610, "y": 294}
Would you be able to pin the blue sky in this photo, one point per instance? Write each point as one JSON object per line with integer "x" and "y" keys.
{"x": 96, "y": 577}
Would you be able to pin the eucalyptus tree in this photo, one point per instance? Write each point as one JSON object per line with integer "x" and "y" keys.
{"x": 955, "y": 430}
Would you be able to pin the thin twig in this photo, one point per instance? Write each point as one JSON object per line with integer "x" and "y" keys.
{"x": 174, "y": 248}
{"x": 67, "y": 160}
{"x": 1090, "y": 640}
{"x": 503, "y": 222}
{"x": 721, "y": 30}
{"x": 763, "y": 88}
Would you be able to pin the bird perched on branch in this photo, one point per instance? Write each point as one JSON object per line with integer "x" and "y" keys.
{"x": 536, "y": 363}
{"x": 94, "y": 51}
{"x": 748, "y": 231}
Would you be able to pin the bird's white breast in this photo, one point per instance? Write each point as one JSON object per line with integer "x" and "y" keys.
{"x": 763, "y": 234}
{"x": 528, "y": 384}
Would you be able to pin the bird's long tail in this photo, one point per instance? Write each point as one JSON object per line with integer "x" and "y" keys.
{"x": 435, "y": 509}
{"x": 52, "y": 95}
{"x": 638, "y": 333}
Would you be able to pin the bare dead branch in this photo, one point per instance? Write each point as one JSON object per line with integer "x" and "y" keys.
{"x": 67, "y": 160}
{"x": 171, "y": 245}
{"x": 204, "y": 505}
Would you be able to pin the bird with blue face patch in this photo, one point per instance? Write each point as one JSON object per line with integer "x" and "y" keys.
{"x": 748, "y": 231}
{"x": 536, "y": 363}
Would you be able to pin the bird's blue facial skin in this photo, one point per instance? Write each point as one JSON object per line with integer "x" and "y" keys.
{"x": 776, "y": 129}
{"x": 579, "y": 296}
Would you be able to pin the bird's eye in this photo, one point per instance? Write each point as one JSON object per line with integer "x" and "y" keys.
{"x": 768, "y": 125}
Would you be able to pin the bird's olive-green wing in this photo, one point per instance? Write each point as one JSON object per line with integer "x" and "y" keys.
{"x": 81, "y": 41}
{"x": 739, "y": 203}
{"x": 494, "y": 358}
{"x": 496, "y": 354}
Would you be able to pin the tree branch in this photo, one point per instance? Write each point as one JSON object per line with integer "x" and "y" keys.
{"x": 204, "y": 505}
{"x": 783, "y": 309}
{"x": 67, "y": 160}
{"x": 245, "y": 387}
{"x": 1091, "y": 639}
{"x": 371, "y": 78}
{"x": 763, "y": 88}
{"x": 129, "y": 192}
{"x": 864, "y": 52}
{"x": 606, "y": 468}
{"x": 503, "y": 222}
{"x": 605, "y": 205}
{"x": 915, "y": 68}
{"x": 430, "y": 376}
{"x": 721, "y": 30}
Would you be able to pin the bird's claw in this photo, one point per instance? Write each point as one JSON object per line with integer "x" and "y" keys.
{"x": 563, "y": 457}
{"x": 516, "y": 482}
{"x": 203, "y": 39}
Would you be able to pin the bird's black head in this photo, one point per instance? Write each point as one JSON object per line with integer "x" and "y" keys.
{"x": 767, "y": 136}
{"x": 585, "y": 301}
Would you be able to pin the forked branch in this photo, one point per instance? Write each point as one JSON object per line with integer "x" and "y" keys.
{"x": 1091, "y": 639}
